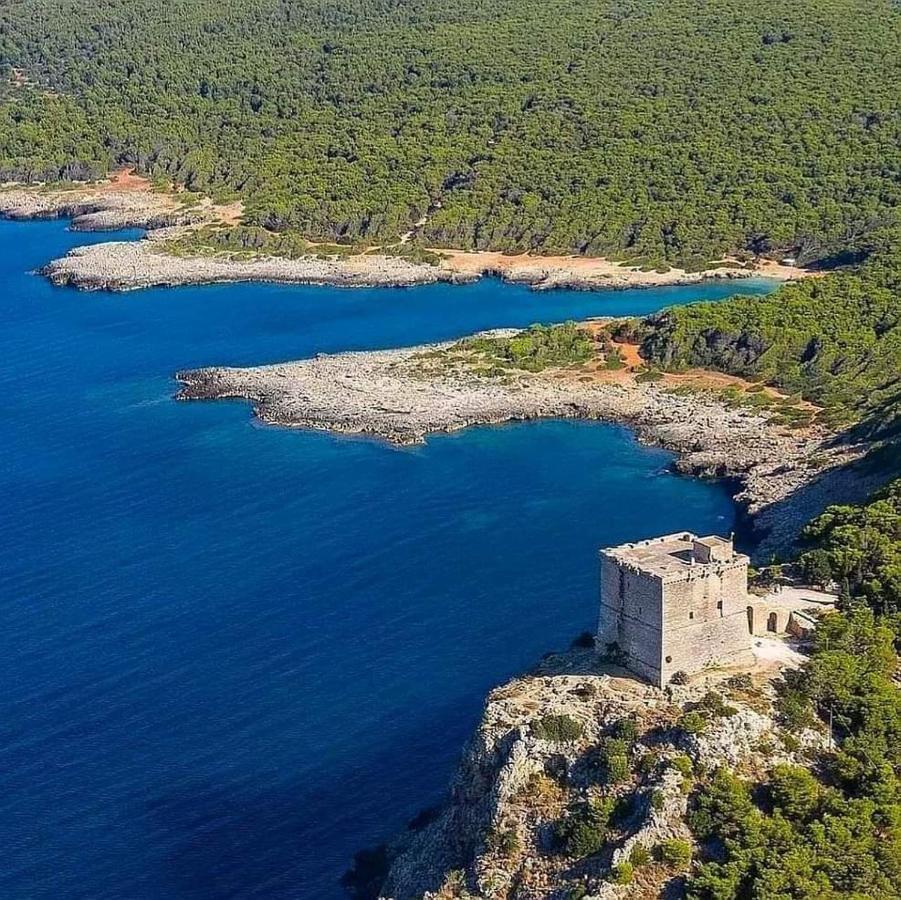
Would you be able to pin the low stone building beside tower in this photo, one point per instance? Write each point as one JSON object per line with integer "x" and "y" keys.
{"x": 676, "y": 603}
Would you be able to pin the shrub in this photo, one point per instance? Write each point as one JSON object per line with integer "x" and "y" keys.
{"x": 626, "y": 730}
{"x": 614, "y": 359}
{"x": 795, "y": 792}
{"x": 679, "y": 678}
{"x": 578, "y": 892}
{"x": 741, "y": 682}
{"x": 693, "y": 722}
{"x": 683, "y": 765}
{"x": 675, "y": 852}
{"x": 648, "y": 763}
{"x": 559, "y": 729}
{"x": 657, "y": 799}
{"x": 648, "y": 375}
{"x": 585, "y": 641}
{"x": 534, "y": 349}
{"x": 794, "y": 706}
{"x": 583, "y": 831}
{"x": 640, "y": 856}
{"x": 504, "y": 842}
{"x": 713, "y": 704}
{"x": 623, "y": 873}
{"x": 613, "y": 761}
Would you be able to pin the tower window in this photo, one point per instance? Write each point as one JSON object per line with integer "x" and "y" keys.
{"x": 691, "y": 615}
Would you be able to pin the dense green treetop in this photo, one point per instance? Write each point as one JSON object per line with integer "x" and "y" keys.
{"x": 859, "y": 547}
{"x": 836, "y": 340}
{"x": 827, "y": 833}
{"x": 656, "y": 129}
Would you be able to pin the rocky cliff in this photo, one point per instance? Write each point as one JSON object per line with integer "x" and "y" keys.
{"x": 576, "y": 783}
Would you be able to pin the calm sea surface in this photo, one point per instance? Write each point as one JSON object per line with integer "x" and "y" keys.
{"x": 230, "y": 655}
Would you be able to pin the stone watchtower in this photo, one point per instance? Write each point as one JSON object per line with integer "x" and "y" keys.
{"x": 675, "y": 603}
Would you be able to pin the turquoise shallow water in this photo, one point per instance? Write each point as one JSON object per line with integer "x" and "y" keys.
{"x": 232, "y": 655}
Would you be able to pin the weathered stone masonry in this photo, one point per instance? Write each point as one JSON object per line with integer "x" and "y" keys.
{"x": 676, "y": 603}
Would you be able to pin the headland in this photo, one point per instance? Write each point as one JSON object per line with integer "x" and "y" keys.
{"x": 784, "y": 473}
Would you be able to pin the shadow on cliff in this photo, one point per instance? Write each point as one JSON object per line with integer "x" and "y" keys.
{"x": 775, "y": 529}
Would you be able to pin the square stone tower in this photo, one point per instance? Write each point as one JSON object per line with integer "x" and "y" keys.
{"x": 676, "y": 603}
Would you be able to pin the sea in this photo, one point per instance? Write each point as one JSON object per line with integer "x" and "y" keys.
{"x": 232, "y": 655}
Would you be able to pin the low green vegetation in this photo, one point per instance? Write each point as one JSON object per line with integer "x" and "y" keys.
{"x": 584, "y": 829}
{"x": 537, "y": 348}
{"x": 833, "y": 830}
{"x": 835, "y": 341}
{"x": 504, "y": 841}
{"x": 611, "y": 760}
{"x": 623, "y": 873}
{"x": 244, "y": 241}
{"x": 250, "y": 241}
{"x": 640, "y": 856}
{"x": 559, "y": 729}
{"x": 674, "y": 852}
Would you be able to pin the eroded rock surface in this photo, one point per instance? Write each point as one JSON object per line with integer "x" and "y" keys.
{"x": 497, "y": 834}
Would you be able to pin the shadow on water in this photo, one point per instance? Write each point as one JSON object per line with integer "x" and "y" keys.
{"x": 234, "y": 840}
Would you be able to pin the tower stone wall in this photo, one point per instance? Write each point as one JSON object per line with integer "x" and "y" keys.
{"x": 675, "y": 603}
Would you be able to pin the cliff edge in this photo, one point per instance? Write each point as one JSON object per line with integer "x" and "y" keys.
{"x": 576, "y": 782}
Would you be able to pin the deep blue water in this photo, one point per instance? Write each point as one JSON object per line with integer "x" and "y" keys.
{"x": 231, "y": 655}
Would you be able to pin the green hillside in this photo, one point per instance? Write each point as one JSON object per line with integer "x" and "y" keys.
{"x": 672, "y": 130}
{"x": 835, "y": 340}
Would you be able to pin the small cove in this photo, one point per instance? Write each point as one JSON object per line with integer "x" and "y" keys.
{"x": 233, "y": 655}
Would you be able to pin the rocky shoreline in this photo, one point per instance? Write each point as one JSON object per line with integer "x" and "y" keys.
{"x": 101, "y": 207}
{"x": 128, "y": 202}
{"x": 782, "y": 477}
{"x": 133, "y": 265}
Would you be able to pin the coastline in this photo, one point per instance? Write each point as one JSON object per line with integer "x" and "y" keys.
{"x": 782, "y": 476}
{"x": 127, "y": 201}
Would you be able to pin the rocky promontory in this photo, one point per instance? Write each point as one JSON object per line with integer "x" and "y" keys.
{"x": 575, "y": 784}
{"x": 104, "y": 207}
{"x": 404, "y": 395}
{"x": 131, "y": 265}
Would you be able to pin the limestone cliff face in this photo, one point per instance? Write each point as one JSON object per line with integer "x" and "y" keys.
{"x": 539, "y": 767}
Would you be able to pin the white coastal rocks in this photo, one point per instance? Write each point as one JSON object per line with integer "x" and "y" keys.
{"x": 131, "y": 265}
{"x": 400, "y": 396}
{"x": 511, "y": 782}
{"x": 99, "y": 208}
